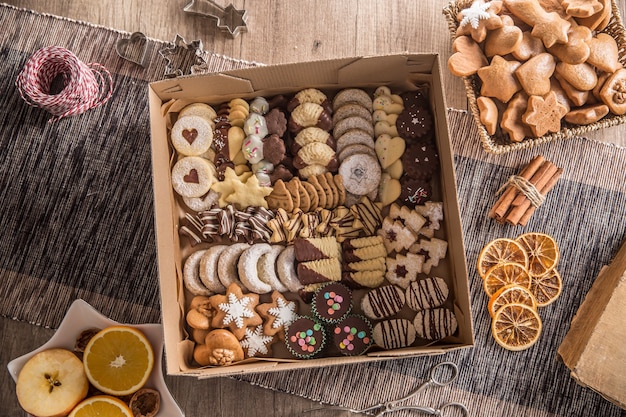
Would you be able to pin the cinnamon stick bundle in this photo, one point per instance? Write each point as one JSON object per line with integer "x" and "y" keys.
{"x": 525, "y": 192}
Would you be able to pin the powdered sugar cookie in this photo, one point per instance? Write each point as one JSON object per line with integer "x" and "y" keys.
{"x": 208, "y": 268}
{"x": 247, "y": 268}
{"x": 286, "y": 268}
{"x": 192, "y": 135}
{"x": 361, "y": 174}
{"x": 227, "y": 264}
{"x": 191, "y": 274}
{"x": 267, "y": 269}
{"x": 192, "y": 176}
{"x": 403, "y": 269}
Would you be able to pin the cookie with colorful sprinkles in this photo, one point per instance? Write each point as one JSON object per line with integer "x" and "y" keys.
{"x": 305, "y": 337}
{"x": 353, "y": 335}
{"x": 332, "y": 302}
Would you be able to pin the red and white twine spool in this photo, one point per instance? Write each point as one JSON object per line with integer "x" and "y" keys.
{"x": 84, "y": 86}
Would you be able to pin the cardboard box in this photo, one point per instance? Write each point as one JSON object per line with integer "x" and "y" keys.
{"x": 594, "y": 348}
{"x": 400, "y": 73}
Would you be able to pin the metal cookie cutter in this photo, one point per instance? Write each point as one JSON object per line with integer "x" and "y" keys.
{"x": 133, "y": 49}
{"x": 183, "y": 57}
{"x": 229, "y": 19}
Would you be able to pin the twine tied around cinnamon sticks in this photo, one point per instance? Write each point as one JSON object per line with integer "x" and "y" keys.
{"x": 523, "y": 193}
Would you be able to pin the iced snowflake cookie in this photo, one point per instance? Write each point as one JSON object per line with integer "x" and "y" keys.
{"x": 256, "y": 343}
{"x": 278, "y": 314}
{"x": 235, "y": 310}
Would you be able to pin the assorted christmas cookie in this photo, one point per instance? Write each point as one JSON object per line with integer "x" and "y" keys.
{"x": 305, "y": 337}
{"x": 292, "y": 203}
{"x": 332, "y": 302}
{"x": 353, "y": 335}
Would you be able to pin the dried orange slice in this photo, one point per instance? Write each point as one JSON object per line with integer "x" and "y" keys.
{"x": 516, "y": 326}
{"x": 101, "y": 406}
{"x": 546, "y": 288}
{"x": 505, "y": 274}
{"x": 511, "y": 294}
{"x": 542, "y": 250}
{"x": 499, "y": 251}
{"x": 118, "y": 360}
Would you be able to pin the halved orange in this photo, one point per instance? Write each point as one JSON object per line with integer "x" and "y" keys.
{"x": 504, "y": 274}
{"x": 101, "y": 406}
{"x": 542, "y": 250}
{"x": 118, "y": 360}
{"x": 511, "y": 294}
{"x": 516, "y": 326}
{"x": 546, "y": 288}
{"x": 498, "y": 251}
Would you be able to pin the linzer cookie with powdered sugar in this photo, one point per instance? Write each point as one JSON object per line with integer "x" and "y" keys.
{"x": 435, "y": 324}
{"x": 426, "y": 293}
{"x": 394, "y": 333}
{"x": 383, "y": 302}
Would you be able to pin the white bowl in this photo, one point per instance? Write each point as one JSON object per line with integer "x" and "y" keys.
{"x": 82, "y": 316}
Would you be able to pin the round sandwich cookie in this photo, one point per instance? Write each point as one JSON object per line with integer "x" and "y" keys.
{"x": 332, "y": 302}
{"x": 192, "y": 176}
{"x": 305, "y": 337}
{"x": 420, "y": 161}
{"x": 192, "y": 135}
{"x": 435, "y": 323}
{"x": 414, "y": 192}
{"x": 361, "y": 174}
{"x": 353, "y": 335}
{"x": 414, "y": 122}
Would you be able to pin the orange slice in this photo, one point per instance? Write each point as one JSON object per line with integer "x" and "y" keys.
{"x": 516, "y": 326}
{"x": 500, "y": 251}
{"x": 511, "y": 294}
{"x": 101, "y": 406}
{"x": 546, "y": 288}
{"x": 118, "y": 360}
{"x": 542, "y": 250}
{"x": 505, "y": 274}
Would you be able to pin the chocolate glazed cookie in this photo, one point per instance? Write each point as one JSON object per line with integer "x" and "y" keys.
{"x": 420, "y": 161}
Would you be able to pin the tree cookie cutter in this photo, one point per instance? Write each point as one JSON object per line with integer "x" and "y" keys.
{"x": 133, "y": 49}
{"x": 183, "y": 58}
{"x": 229, "y": 19}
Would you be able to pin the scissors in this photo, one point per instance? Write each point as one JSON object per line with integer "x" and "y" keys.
{"x": 440, "y": 375}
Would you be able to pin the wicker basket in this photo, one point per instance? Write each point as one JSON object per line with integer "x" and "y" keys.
{"x": 500, "y": 143}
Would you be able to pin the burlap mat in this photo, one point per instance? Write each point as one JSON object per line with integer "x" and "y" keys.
{"x": 76, "y": 220}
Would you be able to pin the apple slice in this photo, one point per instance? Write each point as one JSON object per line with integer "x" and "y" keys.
{"x": 51, "y": 383}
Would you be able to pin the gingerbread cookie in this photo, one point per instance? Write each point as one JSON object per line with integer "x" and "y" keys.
{"x": 235, "y": 310}
{"x": 278, "y": 314}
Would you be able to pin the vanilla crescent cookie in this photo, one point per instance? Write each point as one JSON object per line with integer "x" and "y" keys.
{"x": 192, "y": 135}
{"x": 247, "y": 268}
{"x": 267, "y": 269}
{"x": 361, "y": 174}
{"x": 286, "y": 268}
{"x": 191, "y": 274}
{"x": 227, "y": 264}
{"x": 208, "y": 268}
{"x": 192, "y": 176}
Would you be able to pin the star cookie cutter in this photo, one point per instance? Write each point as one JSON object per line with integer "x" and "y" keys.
{"x": 133, "y": 49}
{"x": 229, "y": 19}
{"x": 183, "y": 58}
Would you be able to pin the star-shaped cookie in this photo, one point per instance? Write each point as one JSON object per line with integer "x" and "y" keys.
{"x": 499, "y": 79}
{"x": 478, "y": 18}
{"x": 249, "y": 194}
{"x": 544, "y": 114}
{"x": 235, "y": 310}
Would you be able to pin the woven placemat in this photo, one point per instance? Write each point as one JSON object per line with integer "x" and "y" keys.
{"x": 76, "y": 220}
{"x": 76, "y": 201}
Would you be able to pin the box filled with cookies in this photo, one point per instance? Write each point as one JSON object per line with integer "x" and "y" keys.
{"x": 538, "y": 70}
{"x": 307, "y": 215}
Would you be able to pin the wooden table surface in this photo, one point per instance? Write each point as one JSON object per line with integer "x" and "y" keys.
{"x": 279, "y": 31}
